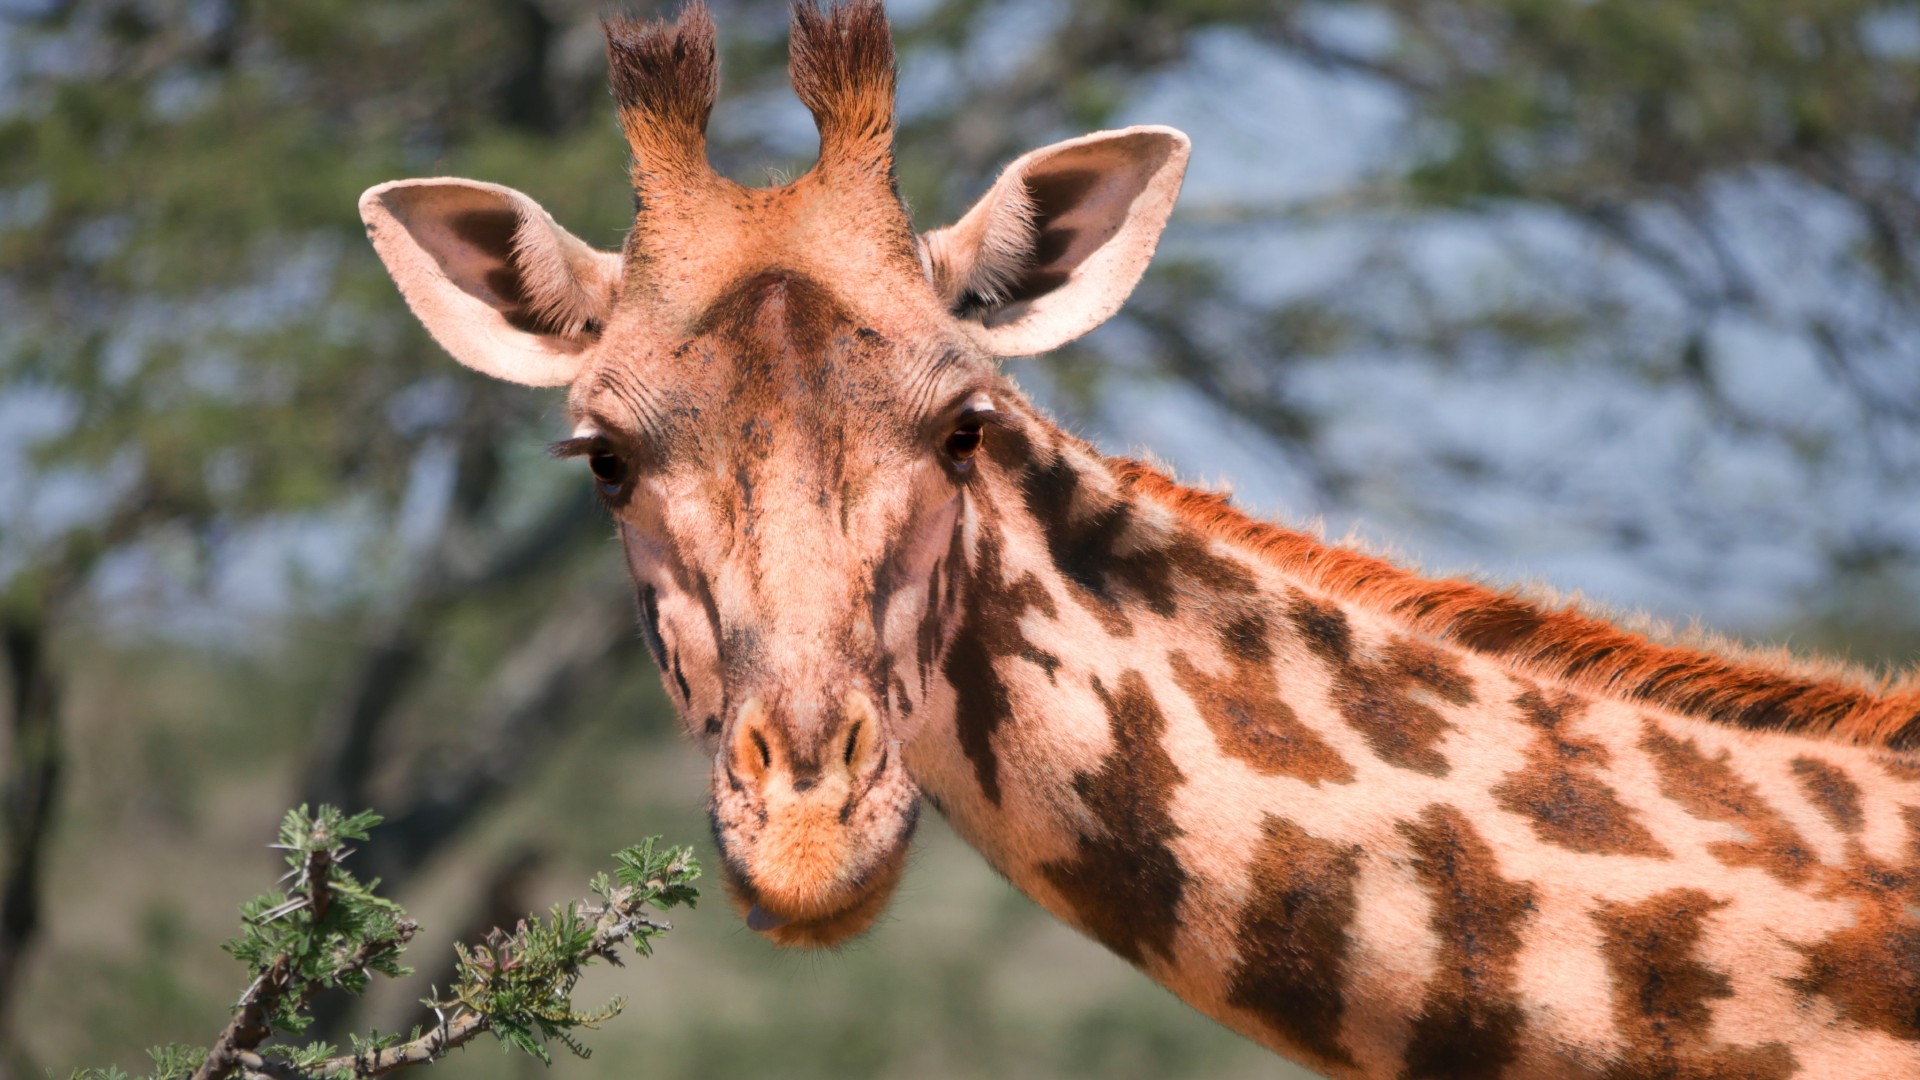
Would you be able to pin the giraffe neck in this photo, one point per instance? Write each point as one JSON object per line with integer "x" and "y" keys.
{"x": 1383, "y": 854}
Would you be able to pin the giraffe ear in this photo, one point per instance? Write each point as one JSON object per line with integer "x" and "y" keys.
{"x": 1060, "y": 240}
{"x": 496, "y": 282}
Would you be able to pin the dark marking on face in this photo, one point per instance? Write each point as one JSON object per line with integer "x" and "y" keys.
{"x": 989, "y": 631}
{"x": 1470, "y": 1020}
{"x": 740, "y": 652}
{"x": 1707, "y": 788}
{"x": 847, "y": 495}
{"x": 680, "y": 679}
{"x": 703, "y": 592}
{"x": 1247, "y": 717}
{"x": 1124, "y": 882}
{"x": 743, "y": 483}
{"x": 1376, "y": 694}
{"x": 771, "y": 314}
{"x": 1830, "y": 789}
{"x": 927, "y": 636}
{"x": 1662, "y": 994}
{"x": 1557, "y": 792}
{"x": 1096, "y": 542}
{"x": 1292, "y": 938}
{"x": 1870, "y": 970}
{"x": 650, "y": 627}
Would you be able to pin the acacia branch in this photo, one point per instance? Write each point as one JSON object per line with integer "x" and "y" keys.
{"x": 242, "y": 1037}
{"x": 614, "y": 924}
{"x": 421, "y": 1051}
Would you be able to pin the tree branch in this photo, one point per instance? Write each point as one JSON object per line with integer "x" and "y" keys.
{"x": 278, "y": 986}
{"x": 614, "y": 924}
{"x": 427, "y": 1048}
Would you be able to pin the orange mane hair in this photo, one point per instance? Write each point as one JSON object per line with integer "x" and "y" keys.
{"x": 1762, "y": 693}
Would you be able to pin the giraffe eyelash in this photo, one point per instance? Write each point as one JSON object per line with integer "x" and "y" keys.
{"x": 577, "y": 447}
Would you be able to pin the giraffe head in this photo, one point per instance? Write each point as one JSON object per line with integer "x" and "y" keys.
{"x": 779, "y": 393}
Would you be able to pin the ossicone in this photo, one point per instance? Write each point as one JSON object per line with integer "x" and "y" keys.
{"x": 665, "y": 77}
{"x": 843, "y": 71}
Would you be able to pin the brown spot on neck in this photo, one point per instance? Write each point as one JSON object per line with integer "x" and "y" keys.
{"x": 1324, "y": 629}
{"x": 1870, "y": 969}
{"x": 1124, "y": 881}
{"x": 1376, "y": 693}
{"x": 1661, "y": 994}
{"x": 1557, "y": 792}
{"x": 1245, "y": 713}
{"x": 1112, "y": 562}
{"x": 1470, "y": 1020}
{"x": 1292, "y": 939}
{"x": 1901, "y": 768}
{"x": 1707, "y": 788}
{"x": 1830, "y": 789}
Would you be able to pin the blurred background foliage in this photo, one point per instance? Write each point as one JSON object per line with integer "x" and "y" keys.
{"x": 1622, "y": 294}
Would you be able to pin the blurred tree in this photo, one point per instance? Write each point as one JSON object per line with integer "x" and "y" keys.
{"x": 1616, "y": 215}
{"x": 211, "y": 352}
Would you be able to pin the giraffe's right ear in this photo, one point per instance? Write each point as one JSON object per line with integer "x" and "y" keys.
{"x": 498, "y": 284}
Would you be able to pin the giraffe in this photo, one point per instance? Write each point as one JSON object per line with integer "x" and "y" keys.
{"x": 1386, "y": 825}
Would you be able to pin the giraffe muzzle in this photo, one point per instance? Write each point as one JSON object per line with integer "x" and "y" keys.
{"x": 813, "y": 821}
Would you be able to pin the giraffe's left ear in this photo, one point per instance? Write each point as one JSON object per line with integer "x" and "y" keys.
{"x": 1060, "y": 240}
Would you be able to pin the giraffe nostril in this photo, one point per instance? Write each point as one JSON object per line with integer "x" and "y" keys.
{"x": 859, "y": 739}
{"x": 853, "y": 743}
{"x": 752, "y": 755}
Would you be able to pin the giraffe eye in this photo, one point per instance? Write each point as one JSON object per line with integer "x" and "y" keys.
{"x": 965, "y": 441}
{"x": 609, "y": 472}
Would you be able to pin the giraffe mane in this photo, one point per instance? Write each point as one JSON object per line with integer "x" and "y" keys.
{"x": 1759, "y": 690}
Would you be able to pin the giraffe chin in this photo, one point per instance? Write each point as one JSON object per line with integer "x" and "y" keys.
{"x": 819, "y": 918}
{"x": 820, "y": 928}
